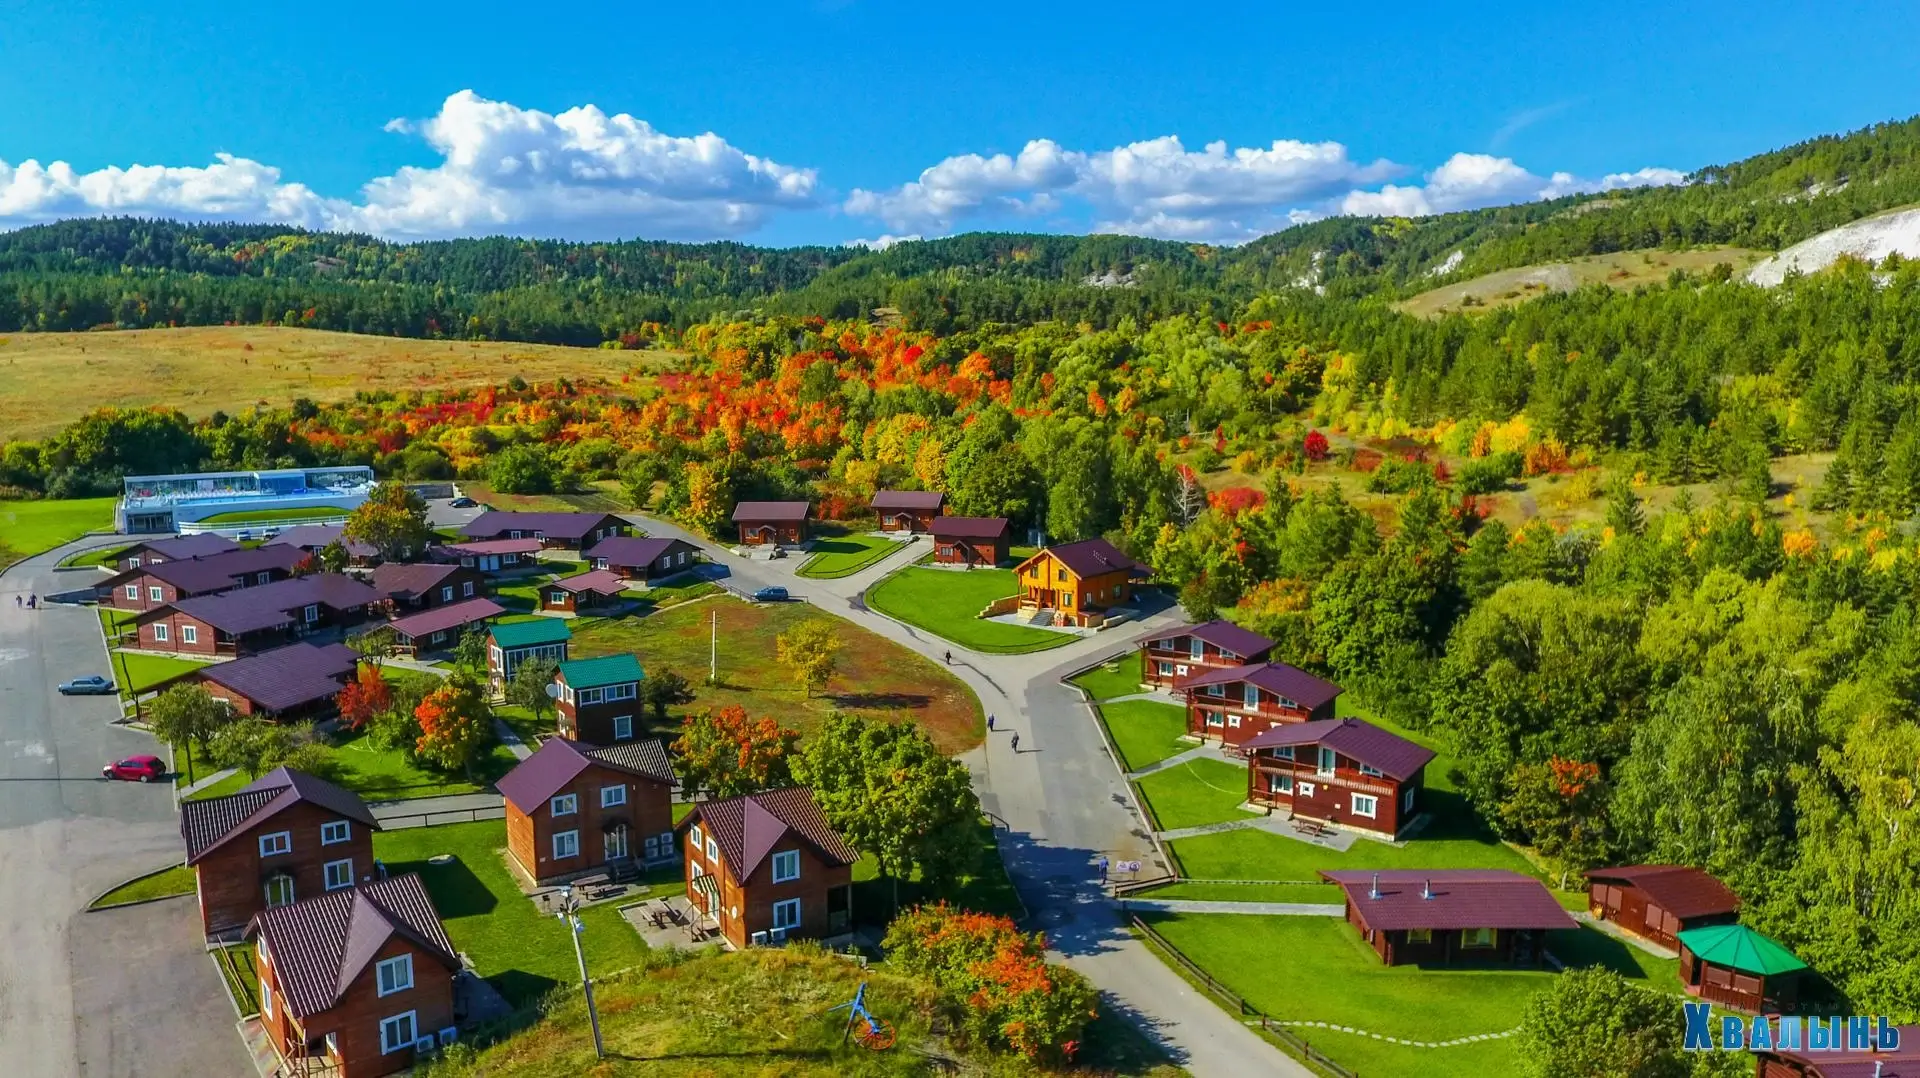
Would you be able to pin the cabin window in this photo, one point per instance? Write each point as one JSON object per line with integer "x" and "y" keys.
{"x": 1326, "y": 761}
{"x": 1233, "y": 721}
{"x": 189, "y": 634}
{"x": 160, "y": 631}
{"x": 154, "y": 594}
{"x": 1166, "y": 669}
{"x": 713, "y": 849}
{"x": 786, "y": 866}
{"x": 133, "y": 591}
{"x": 396, "y": 1033}
{"x": 622, "y": 727}
{"x": 334, "y": 832}
{"x": 1251, "y": 695}
{"x": 263, "y": 578}
{"x": 1364, "y": 805}
{"x": 564, "y": 805}
{"x": 1061, "y": 574}
{"x": 1419, "y": 935}
{"x": 786, "y": 914}
{"x": 276, "y": 844}
{"x": 1216, "y": 690}
{"x": 1284, "y": 702}
{"x": 1284, "y": 752}
{"x": 1197, "y": 648}
{"x": 1406, "y": 801}
{"x": 625, "y": 691}
{"x": 312, "y": 613}
{"x": 693, "y": 837}
{"x": 1306, "y": 789}
{"x": 611, "y": 796}
{"x": 586, "y": 696}
{"x": 339, "y": 874}
{"x": 1478, "y": 937}
{"x": 566, "y": 844}
{"x": 1370, "y": 771}
{"x": 1280, "y": 784}
{"x": 1214, "y": 720}
{"x": 556, "y": 597}
{"x": 279, "y": 890}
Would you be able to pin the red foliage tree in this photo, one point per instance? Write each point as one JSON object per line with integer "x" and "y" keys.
{"x": 367, "y": 695}
{"x": 1315, "y": 446}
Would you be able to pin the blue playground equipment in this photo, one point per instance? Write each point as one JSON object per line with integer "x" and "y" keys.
{"x": 873, "y": 1033}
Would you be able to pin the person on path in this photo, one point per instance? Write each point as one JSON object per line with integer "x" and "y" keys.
{"x": 1016, "y": 741}
{"x": 1103, "y": 869}
{"x": 30, "y": 600}
{"x": 949, "y": 658}
{"x": 989, "y": 724}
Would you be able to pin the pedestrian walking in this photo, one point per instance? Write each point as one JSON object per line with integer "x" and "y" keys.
{"x": 949, "y": 658}
{"x": 1016, "y": 741}
{"x": 1102, "y": 863}
{"x": 30, "y": 600}
{"x": 989, "y": 724}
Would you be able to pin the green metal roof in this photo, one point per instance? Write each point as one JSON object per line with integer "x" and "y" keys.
{"x": 526, "y": 634}
{"x": 1739, "y": 947}
{"x": 606, "y": 670}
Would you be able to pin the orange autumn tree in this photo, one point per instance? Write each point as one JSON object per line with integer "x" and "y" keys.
{"x": 367, "y": 695}
{"x": 455, "y": 724}
{"x": 997, "y": 980}
{"x": 728, "y": 754}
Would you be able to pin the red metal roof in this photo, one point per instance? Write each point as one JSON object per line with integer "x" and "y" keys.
{"x": 441, "y": 618}
{"x": 267, "y": 606}
{"x": 409, "y": 580}
{"x": 1449, "y": 899}
{"x": 636, "y": 551}
{"x": 559, "y": 760}
{"x": 1219, "y": 632}
{"x": 748, "y": 828}
{"x": 201, "y": 545}
{"x": 498, "y": 522}
{"x": 1680, "y": 890}
{"x": 207, "y": 824}
{"x": 314, "y": 537}
{"x": 780, "y": 512}
{"x": 603, "y": 581}
{"x": 1902, "y": 1062}
{"x": 285, "y": 677}
{"x": 1092, "y": 557}
{"x": 1279, "y": 678}
{"x": 319, "y": 947}
{"x": 908, "y": 499}
{"x": 970, "y": 527}
{"x": 1364, "y": 742}
{"x": 214, "y": 572}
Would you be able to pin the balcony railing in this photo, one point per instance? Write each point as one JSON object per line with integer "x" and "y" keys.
{"x": 1309, "y": 773}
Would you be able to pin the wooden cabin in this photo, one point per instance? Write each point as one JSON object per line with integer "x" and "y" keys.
{"x": 1079, "y": 582}
{"x": 574, "y": 809}
{"x": 1341, "y": 771}
{"x": 1448, "y": 917}
{"x": 972, "y": 541}
{"x": 1846, "y": 1060}
{"x": 644, "y": 558}
{"x": 772, "y": 523}
{"x": 598, "y": 698}
{"x": 1233, "y": 704}
{"x": 596, "y": 589}
{"x": 908, "y": 511}
{"x": 1734, "y": 966}
{"x": 766, "y": 868}
{"x": 1171, "y": 656}
{"x": 1658, "y": 902}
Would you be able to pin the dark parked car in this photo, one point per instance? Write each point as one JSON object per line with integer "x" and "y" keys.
{"x": 770, "y": 595}
{"x": 136, "y": 769}
{"x": 463, "y": 503}
{"x": 91, "y": 685}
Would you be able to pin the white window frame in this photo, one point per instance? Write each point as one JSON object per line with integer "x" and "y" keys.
{"x": 401, "y": 967}
{"x": 622, "y": 727}
{"x": 1306, "y": 789}
{"x": 160, "y": 632}
{"x": 276, "y": 843}
{"x": 788, "y": 910}
{"x": 572, "y": 839}
{"x": 1233, "y": 721}
{"x": 1166, "y": 669}
{"x": 612, "y": 796}
{"x": 1371, "y": 809}
{"x": 626, "y": 690}
{"x": 556, "y": 597}
{"x": 312, "y": 613}
{"x": 1469, "y": 938}
{"x": 713, "y": 849}
{"x": 390, "y": 1044}
{"x": 133, "y": 592}
{"x": 1250, "y": 694}
{"x": 1214, "y": 719}
{"x": 275, "y": 882}
{"x": 466, "y": 589}
{"x": 786, "y": 866}
{"x": 585, "y": 696}
{"x": 563, "y": 805}
{"x": 264, "y": 578}
{"x": 1373, "y": 772}
{"x": 266, "y": 999}
{"x": 189, "y": 634}
{"x": 1279, "y": 784}
{"x": 1196, "y": 648}
{"x": 1324, "y": 766}
{"x": 327, "y": 874}
{"x": 155, "y": 594}
{"x": 446, "y": 593}
{"x": 695, "y": 836}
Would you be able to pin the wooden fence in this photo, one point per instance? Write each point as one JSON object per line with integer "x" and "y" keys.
{"x": 443, "y": 817}
{"x": 1292, "y": 1042}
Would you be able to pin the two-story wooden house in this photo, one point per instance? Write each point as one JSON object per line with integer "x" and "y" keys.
{"x": 1448, "y": 916}
{"x": 910, "y": 511}
{"x": 772, "y": 523}
{"x": 358, "y": 982}
{"x": 1234, "y": 703}
{"x": 634, "y": 557}
{"x": 556, "y": 531}
{"x": 411, "y": 587}
{"x": 254, "y": 619}
{"x": 1342, "y": 771}
{"x": 598, "y": 698}
{"x": 1658, "y": 902}
{"x": 1079, "y": 582}
{"x": 573, "y": 809}
{"x": 766, "y": 868}
{"x": 1168, "y": 657}
{"x": 284, "y": 837}
{"x": 512, "y": 643}
{"x": 153, "y": 585}
{"x": 972, "y": 541}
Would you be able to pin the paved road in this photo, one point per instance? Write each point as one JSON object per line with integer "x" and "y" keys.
{"x": 106, "y": 994}
{"x": 1065, "y": 804}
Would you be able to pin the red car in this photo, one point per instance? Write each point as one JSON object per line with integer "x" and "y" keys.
{"x": 136, "y": 769}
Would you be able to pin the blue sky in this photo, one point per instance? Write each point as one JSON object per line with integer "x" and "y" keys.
{"x": 825, "y": 113}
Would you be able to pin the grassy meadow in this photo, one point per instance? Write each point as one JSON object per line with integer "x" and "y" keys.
{"x": 29, "y": 527}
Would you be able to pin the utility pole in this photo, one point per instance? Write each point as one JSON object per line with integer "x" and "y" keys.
{"x": 569, "y": 910}
{"x": 713, "y": 646}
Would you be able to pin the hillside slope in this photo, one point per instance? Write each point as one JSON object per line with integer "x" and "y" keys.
{"x": 1625, "y": 270}
{"x": 1871, "y": 239}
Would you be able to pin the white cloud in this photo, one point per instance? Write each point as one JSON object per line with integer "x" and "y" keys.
{"x": 579, "y": 174}
{"x": 1472, "y": 180}
{"x": 882, "y": 242}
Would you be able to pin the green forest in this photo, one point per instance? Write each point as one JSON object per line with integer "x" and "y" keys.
{"x": 1728, "y": 680}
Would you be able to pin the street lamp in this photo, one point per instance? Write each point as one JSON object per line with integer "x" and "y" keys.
{"x": 570, "y": 913}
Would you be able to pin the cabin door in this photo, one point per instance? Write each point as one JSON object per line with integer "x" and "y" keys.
{"x": 617, "y": 843}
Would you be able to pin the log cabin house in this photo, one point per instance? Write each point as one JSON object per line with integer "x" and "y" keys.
{"x": 972, "y": 541}
{"x": 297, "y": 681}
{"x": 1339, "y": 771}
{"x": 357, "y": 983}
{"x": 1172, "y": 655}
{"x": 596, "y": 589}
{"x": 1077, "y": 583}
{"x": 313, "y": 538}
{"x": 910, "y": 511}
{"x": 555, "y": 531}
{"x": 573, "y": 810}
{"x": 772, "y": 523}
{"x": 598, "y": 698}
{"x": 644, "y": 558}
{"x": 1734, "y": 966}
{"x": 1656, "y": 902}
{"x": 284, "y": 837}
{"x": 424, "y": 585}
{"x": 440, "y": 628}
{"x": 766, "y": 868}
{"x": 1450, "y": 916}
{"x": 155, "y": 551}
{"x": 1234, "y": 703}
{"x": 250, "y": 620}
{"x": 490, "y": 557}
{"x": 149, "y": 586}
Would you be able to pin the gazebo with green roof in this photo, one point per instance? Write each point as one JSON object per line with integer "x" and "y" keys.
{"x": 1734, "y": 966}
{"x": 511, "y": 643}
{"x": 598, "y": 698}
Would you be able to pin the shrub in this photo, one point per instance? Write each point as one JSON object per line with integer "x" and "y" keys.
{"x": 1490, "y": 473}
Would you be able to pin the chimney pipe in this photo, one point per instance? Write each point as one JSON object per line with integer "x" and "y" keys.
{"x": 1426, "y": 889}
{"x": 1374, "y": 891}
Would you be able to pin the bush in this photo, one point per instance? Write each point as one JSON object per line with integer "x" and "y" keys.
{"x": 1489, "y": 474}
{"x": 1396, "y": 475}
{"x": 521, "y": 469}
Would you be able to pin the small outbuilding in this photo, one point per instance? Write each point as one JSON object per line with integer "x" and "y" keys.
{"x": 772, "y": 523}
{"x": 1658, "y": 902}
{"x": 511, "y": 643}
{"x": 594, "y": 590}
{"x": 1734, "y": 966}
{"x": 910, "y": 511}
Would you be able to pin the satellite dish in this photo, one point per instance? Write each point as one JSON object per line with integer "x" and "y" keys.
{"x": 553, "y": 690}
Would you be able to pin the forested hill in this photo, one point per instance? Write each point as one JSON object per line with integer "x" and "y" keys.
{"x": 133, "y": 273}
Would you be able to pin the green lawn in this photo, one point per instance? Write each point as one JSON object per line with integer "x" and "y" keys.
{"x": 945, "y": 603}
{"x": 30, "y": 527}
{"x": 845, "y": 555}
{"x": 522, "y": 722}
{"x": 522, "y": 596}
{"x": 176, "y": 880}
{"x": 113, "y": 622}
{"x": 1118, "y": 678}
{"x": 105, "y": 557}
{"x": 876, "y": 677}
{"x": 1146, "y": 731}
{"x": 232, "y": 784}
{"x": 1197, "y": 792}
{"x": 276, "y": 516}
{"x": 1253, "y": 854}
{"x": 663, "y": 596}
{"x": 523, "y": 953}
{"x": 137, "y": 673}
{"x": 241, "y": 970}
{"x": 387, "y": 775}
{"x": 1325, "y": 894}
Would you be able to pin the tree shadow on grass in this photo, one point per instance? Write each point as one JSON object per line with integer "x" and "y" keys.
{"x": 1592, "y": 947}
{"x": 455, "y": 890}
{"x": 520, "y": 988}
{"x": 881, "y": 701}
